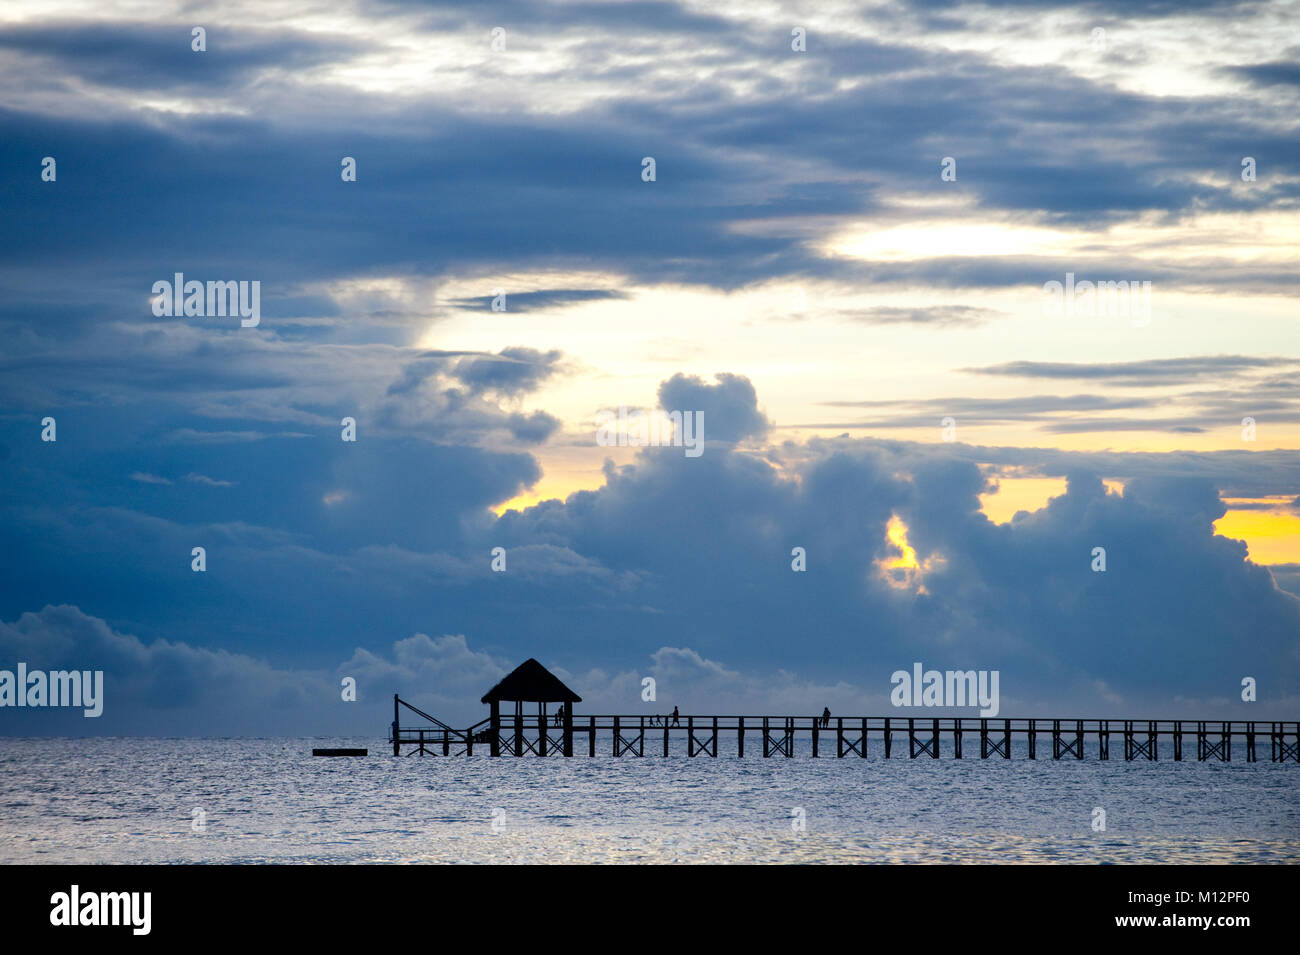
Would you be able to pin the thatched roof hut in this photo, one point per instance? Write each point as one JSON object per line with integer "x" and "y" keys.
{"x": 530, "y": 682}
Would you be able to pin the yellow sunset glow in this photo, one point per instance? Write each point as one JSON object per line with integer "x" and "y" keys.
{"x": 1272, "y": 536}
{"x": 896, "y": 534}
{"x": 903, "y": 571}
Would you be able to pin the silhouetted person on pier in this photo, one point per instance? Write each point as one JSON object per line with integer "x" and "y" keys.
{"x": 826, "y": 716}
{"x": 677, "y": 720}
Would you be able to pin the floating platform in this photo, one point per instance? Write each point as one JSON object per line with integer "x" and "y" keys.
{"x": 340, "y": 752}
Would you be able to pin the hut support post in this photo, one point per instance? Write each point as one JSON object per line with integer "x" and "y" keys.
{"x": 541, "y": 729}
{"x": 494, "y": 730}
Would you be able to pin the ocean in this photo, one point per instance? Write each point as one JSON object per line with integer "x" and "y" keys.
{"x": 135, "y": 800}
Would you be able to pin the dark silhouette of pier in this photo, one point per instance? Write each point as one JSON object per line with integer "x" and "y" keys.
{"x": 537, "y": 734}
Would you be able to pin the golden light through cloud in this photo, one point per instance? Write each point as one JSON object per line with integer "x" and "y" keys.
{"x": 1272, "y": 535}
{"x": 1014, "y": 494}
{"x": 903, "y": 571}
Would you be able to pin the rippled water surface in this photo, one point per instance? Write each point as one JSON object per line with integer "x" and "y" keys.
{"x": 269, "y": 800}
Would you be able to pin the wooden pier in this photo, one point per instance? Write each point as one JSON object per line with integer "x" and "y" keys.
{"x": 622, "y": 735}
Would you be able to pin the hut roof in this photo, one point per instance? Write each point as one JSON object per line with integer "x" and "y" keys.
{"x": 532, "y": 683}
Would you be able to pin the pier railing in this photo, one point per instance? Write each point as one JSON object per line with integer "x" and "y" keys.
{"x": 853, "y": 736}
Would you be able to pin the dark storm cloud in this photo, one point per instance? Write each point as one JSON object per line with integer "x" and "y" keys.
{"x": 446, "y": 190}
{"x": 1278, "y": 73}
{"x": 1023, "y": 593}
{"x": 175, "y": 434}
{"x": 146, "y": 56}
{"x": 699, "y": 548}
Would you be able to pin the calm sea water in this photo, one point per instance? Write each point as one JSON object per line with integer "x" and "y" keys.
{"x": 269, "y": 800}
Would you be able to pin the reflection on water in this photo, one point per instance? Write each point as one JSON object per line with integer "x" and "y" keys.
{"x": 134, "y": 800}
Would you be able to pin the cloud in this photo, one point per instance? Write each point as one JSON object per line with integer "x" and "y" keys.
{"x": 729, "y": 408}
{"x": 1276, "y": 73}
{"x": 207, "y": 481}
{"x": 147, "y": 56}
{"x": 1023, "y": 595}
{"x": 1098, "y": 425}
{"x": 165, "y": 124}
{"x": 715, "y": 573}
{"x": 541, "y": 299}
{"x": 168, "y": 689}
{"x": 513, "y": 371}
{"x": 524, "y": 169}
{"x": 195, "y": 436}
{"x": 162, "y": 688}
{"x": 1149, "y": 373}
{"x": 942, "y": 316}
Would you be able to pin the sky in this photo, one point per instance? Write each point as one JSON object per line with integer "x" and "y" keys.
{"x": 829, "y": 232}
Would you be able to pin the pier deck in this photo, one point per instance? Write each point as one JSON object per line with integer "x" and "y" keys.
{"x": 849, "y": 736}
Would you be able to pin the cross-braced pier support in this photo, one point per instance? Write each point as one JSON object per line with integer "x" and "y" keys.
{"x": 845, "y": 743}
{"x": 783, "y": 742}
{"x": 697, "y": 744}
{"x": 1135, "y": 747}
{"x": 1207, "y": 748}
{"x": 918, "y": 745}
{"x": 990, "y": 745}
{"x": 634, "y": 744}
{"x": 1064, "y": 747}
{"x": 1279, "y": 749}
